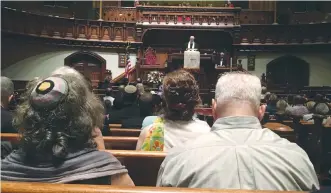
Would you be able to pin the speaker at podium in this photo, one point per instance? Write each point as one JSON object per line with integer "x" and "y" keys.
{"x": 192, "y": 55}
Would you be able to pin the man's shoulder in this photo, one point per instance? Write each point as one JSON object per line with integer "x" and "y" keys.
{"x": 223, "y": 140}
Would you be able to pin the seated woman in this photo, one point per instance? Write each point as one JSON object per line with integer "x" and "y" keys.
{"x": 298, "y": 109}
{"x": 57, "y": 124}
{"x": 176, "y": 126}
{"x": 271, "y": 104}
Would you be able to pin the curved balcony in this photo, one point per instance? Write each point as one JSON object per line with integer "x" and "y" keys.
{"x": 69, "y": 30}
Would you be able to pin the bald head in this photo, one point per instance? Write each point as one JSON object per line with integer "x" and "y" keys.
{"x": 238, "y": 94}
{"x": 7, "y": 90}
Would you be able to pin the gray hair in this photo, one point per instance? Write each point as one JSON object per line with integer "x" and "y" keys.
{"x": 321, "y": 109}
{"x": 66, "y": 70}
{"x": 238, "y": 87}
{"x": 7, "y": 88}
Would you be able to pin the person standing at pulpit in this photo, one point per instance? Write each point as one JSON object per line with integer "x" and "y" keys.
{"x": 191, "y": 45}
{"x": 223, "y": 61}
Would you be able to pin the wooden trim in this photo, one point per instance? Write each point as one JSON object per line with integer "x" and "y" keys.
{"x": 137, "y": 154}
{"x": 24, "y": 187}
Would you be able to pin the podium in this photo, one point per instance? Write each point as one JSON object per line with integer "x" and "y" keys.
{"x": 192, "y": 59}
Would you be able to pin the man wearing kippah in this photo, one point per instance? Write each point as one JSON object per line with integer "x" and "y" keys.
{"x": 130, "y": 108}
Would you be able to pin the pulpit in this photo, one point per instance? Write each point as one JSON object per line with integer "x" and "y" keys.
{"x": 192, "y": 59}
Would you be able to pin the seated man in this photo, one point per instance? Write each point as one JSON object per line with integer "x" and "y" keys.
{"x": 129, "y": 108}
{"x": 146, "y": 109}
{"x": 7, "y": 91}
{"x": 238, "y": 153}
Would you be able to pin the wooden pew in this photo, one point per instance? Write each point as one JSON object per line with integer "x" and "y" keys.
{"x": 282, "y": 130}
{"x": 125, "y": 132}
{"x": 115, "y": 125}
{"x": 24, "y": 187}
{"x": 143, "y": 166}
{"x": 111, "y": 142}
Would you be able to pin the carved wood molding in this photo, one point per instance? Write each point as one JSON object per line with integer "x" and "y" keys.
{"x": 67, "y": 28}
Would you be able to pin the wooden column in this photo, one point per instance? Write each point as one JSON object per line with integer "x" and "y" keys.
{"x": 100, "y": 11}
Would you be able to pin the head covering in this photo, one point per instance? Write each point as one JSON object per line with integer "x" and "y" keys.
{"x": 49, "y": 93}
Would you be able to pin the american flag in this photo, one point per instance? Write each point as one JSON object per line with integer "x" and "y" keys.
{"x": 127, "y": 66}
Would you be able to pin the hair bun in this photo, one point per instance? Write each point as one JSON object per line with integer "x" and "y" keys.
{"x": 49, "y": 93}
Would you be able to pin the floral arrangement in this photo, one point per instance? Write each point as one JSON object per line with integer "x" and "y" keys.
{"x": 155, "y": 77}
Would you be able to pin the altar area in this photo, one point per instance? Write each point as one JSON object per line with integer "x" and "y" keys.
{"x": 165, "y": 54}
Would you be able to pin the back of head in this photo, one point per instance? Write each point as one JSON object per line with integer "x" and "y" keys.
{"x": 321, "y": 109}
{"x": 7, "y": 90}
{"x": 272, "y": 99}
{"x": 298, "y": 100}
{"x": 130, "y": 94}
{"x": 319, "y": 98}
{"x": 58, "y": 116}
{"x": 146, "y": 104}
{"x": 310, "y": 106}
{"x": 237, "y": 94}
{"x": 140, "y": 88}
{"x": 108, "y": 91}
{"x": 181, "y": 95}
{"x": 281, "y": 106}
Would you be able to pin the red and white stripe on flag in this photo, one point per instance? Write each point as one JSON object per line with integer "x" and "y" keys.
{"x": 127, "y": 67}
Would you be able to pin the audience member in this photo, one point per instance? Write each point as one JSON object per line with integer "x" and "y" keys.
{"x": 238, "y": 153}
{"x": 7, "y": 91}
{"x": 271, "y": 104}
{"x": 320, "y": 109}
{"x": 281, "y": 106}
{"x": 176, "y": 126}
{"x": 310, "y": 107}
{"x": 145, "y": 108}
{"x": 157, "y": 102}
{"x": 298, "y": 109}
{"x": 263, "y": 92}
{"x": 59, "y": 119}
{"x": 129, "y": 109}
{"x": 109, "y": 96}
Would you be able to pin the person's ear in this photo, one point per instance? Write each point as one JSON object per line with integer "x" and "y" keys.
{"x": 213, "y": 108}
{"x": 261, "y": 112}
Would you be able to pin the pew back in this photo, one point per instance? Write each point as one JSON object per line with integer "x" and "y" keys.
{"x": 143, "y": 166}
{"x": 125, "y": 132}
{"x": 23, "y": 187}
{"x": 111, "y": 142}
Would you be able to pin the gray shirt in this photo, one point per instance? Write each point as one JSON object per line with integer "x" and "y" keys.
{"x": 238, "y": 154}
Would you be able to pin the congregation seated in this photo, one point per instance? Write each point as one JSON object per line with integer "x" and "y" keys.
{"x": 271, "y": 104}
{"x": 109, "y": 96}
{"x": 157, "y": 110}
{"x": 129, "y": 107}
{"x": 176, "y": 126}
{"x": 319, "y": 109}
{"x": 238, "y": 153}
{"x": 59, "y": 125}
{"x": 7, "y": 93}
{"x": 298, "y": 109}
{"x": 281, "y": 106}
{"x": 145, "y": 110}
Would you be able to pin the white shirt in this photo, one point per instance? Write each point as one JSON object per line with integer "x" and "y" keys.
{"x": 177, "y": 133}
{"x": 239, "y": 154}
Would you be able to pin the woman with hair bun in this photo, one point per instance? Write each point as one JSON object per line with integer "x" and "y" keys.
{"x": 57, "y": 122}
{"x": 177, "y": 125}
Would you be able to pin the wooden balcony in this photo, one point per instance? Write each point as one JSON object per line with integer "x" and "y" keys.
{"x": 174, "y": 16}
{"x": 69, "y": 30}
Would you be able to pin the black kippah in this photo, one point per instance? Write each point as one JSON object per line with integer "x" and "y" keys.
{"x": 49, "y": 93}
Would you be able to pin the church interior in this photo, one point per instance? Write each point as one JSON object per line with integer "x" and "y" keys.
{"x": 118, "y": 46}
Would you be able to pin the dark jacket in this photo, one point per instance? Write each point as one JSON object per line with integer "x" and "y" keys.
{"x": 6, "y": 122}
